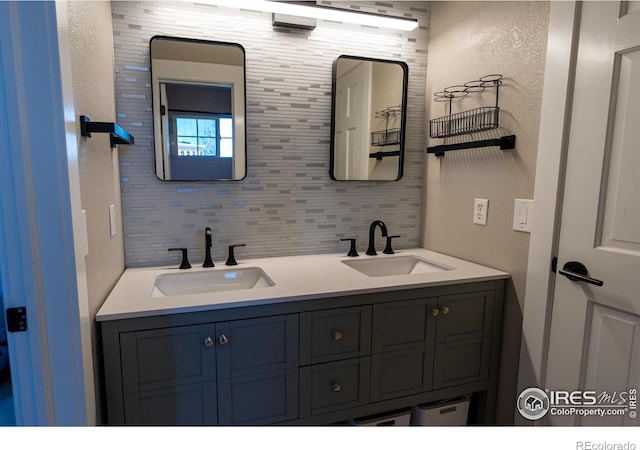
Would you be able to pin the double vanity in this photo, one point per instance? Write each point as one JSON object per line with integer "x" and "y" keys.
{"x": 308, "y": 340}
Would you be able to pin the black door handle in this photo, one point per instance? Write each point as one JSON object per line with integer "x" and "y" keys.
{"x": 576, "y": 271}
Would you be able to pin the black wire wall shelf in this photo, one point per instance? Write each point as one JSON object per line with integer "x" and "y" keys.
{"x": 385, "y": 137}
{"x": 388, "y": 136}
{"x": 471, "y": 121}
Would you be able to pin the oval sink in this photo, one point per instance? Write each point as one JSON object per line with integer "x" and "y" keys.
{"x": 169, "y": 284}
{"x": 385, "y": 266}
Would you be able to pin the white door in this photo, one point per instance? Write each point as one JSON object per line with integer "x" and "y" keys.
{"x": 351, "y": 123}
{"x": 595, "y": 330}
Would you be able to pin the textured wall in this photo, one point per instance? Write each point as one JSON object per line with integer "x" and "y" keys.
{"x": 91, "y": 45}
{"x": 468, "y": 40}
{"x": 287, "y": 204}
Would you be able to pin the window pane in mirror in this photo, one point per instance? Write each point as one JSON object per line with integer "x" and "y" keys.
{"x": 186, "y": 127}
{"x": 226, "y": 127}
{"x": 207, "y": 127}
{"x": 187, "y": 146}
{"x": 226, "y": 148}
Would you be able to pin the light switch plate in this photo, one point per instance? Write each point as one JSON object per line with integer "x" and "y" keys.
{"x": 480, "y": 211}
{"x": 522, "y": 215}
{"x": 84, "y": 237}
{"x": 112, "y": 220}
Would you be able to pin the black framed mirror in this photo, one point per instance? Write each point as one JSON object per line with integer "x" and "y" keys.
{"x": 369, "y": 107}
{"x": 199, "y": 98}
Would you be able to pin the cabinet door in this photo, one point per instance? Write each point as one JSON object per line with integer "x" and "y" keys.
{"x": 168, "y": 376}
{"x": 257, "y": 370}
{"x": 463, "y": 338}
{"x": 334, "y": 334}
{"x": 403, "y": 339}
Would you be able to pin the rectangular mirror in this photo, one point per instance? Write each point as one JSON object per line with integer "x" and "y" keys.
{"x": 199, "y": 92}
{"x": 368, "y": 119}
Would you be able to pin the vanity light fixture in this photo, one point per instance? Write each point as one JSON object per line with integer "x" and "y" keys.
{"x": 314, "y": 11}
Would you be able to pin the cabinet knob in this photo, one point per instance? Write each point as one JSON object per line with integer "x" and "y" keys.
{"x": 444, "y": 309}
{"x": 336, "y": 387}
{"x": 208, "y": 342}
{"x": 223, "y": 340}
{"x": 435, "y": 312}
{"x": 337, "y": 335}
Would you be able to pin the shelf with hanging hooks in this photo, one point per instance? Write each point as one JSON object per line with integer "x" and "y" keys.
{"x": 388, "y": 136}
{"x": 470, "y": 121}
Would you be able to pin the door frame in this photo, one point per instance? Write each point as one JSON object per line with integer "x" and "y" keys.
{"x": 41, "y": 266}
{"x": 564, "y": 27}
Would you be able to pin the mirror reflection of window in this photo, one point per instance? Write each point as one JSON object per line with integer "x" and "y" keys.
{"x": 196, "y": 137}
{"x": 198, "y": 91}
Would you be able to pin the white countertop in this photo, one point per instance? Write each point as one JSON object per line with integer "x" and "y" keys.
{"x": 295, "y": 277}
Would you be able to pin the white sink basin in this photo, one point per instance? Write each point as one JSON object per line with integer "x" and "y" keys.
{"x": 185, "y": 283}
{"x": 385, "y": 266}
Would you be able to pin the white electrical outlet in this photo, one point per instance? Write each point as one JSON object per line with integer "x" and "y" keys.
{"x": 480, "y": 211}
{"x": 112, "y": 220}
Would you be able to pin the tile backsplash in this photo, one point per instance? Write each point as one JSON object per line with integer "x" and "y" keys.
{"x": 287, "y": 204}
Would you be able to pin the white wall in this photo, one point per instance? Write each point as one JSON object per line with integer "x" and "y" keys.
{"x": 92, "y": 68}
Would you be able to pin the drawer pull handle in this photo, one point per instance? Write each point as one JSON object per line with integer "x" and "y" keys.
{"x": 435, "y": 312}
{"x": 337, "y": 335}
{"x": 336, "y": 387}
{"x": 444, "y": 309}
{"x": 223, "y": 340}
{"x": 208, "y": 341}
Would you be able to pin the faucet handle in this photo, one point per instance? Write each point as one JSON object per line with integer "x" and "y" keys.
{"x": 231, "y": 260}
{"x": 352, "y": 250}
{"x": 185, "y": 261}
{"x": 388, "y": 250}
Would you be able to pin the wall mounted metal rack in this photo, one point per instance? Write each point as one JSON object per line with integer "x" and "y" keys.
{"x": 470, "y": 121}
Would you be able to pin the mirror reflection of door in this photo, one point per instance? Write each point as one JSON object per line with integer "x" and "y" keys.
{"x": 353, "y": 99}
{"x": 369, "y": 112}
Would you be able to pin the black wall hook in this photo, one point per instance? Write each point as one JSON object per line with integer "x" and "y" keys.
{"x": 117, "y": 134}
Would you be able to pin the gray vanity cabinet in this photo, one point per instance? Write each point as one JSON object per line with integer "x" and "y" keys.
{"x": 430, "y": 343}
{"x": 463, "y": 338}
{"x": 169, "y": 376}
{"x": 257, "y": 370}
{"x": 402, "y": 347}
{"x": 307, "y": 362}
{"x": 335, "y": 345}
{"x": 242, "y": 372}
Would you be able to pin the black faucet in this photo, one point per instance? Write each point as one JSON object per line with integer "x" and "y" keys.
{"x": 184, "y": 264}
{"x": 207, "y": 248}
{"x": 231, "y": 260}
{"x": 376, "y": 223}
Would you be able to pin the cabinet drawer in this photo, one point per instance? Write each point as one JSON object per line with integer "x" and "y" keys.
{"x": 335, "y": 334}
{"x": 334, "y": 386}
